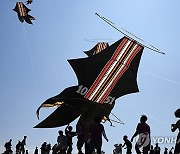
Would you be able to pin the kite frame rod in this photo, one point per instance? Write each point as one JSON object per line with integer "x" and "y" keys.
{"x": 111, "y": 24}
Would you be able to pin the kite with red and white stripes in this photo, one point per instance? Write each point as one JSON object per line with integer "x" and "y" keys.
{"x": 22, "y": 12}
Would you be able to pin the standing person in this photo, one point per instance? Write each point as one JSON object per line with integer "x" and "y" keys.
{"x": 80, "y": 137}
{"x": 166, "y": 150}
{"x": 151, "y": 150}
{"x": 36, "y": 150}
{"x": 96, "y": 131}
{"x": 157, "y": 149}
{"x": 8, "y": 146}
{"x": 62, "y": 142}
{"x": 55, "y": 149}
{"x": 43, "y": 148}
{"x": 174, "y": 127}
{"x": 48, "y": 148}
{"x": 18, "y": 147}
{"x": 143, "y": 130}
{"x": 69, "y": 134}
{"x": 23, "y": 143}
{"x": 128, "y": 144}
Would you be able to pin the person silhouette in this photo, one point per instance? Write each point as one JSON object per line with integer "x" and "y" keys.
{"x": 43, "y": 148}
{"x": 69, "y": 134}
{"x": 48, "y": 148}
{"x": 62, "y": 142}
{"x": 80, "y": 131}
{"x": 18, "y": 147}
{"x": 128, "y": 144}
{"x": 8, "y": 146}
{"x": 55, "y": 149}
{"x": 23, "y": 143}
{"x": 143, "y": 130}
{"x": 96, "y": 132}
{"x": 174, "y": 127}
{"x": 165, "y": 150}
{"x": 151, "y": 150}
{"x": 36, "y": 150}
{"x": 157, "y": 149}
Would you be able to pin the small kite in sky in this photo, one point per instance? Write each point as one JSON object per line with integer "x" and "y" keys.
{"x": 28, "y": 2}
{"x": 22, "y": 12}
{"x": 108, "y": 73}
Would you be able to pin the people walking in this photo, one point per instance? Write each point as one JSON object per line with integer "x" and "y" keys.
{"x": 143, "y": 130}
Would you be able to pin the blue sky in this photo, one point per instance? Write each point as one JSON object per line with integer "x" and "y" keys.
{"x": 34, "y": 67}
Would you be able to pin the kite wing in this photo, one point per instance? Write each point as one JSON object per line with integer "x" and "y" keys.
{"x": 70, "y": 106}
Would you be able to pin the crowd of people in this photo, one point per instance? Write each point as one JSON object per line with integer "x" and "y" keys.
{"x": 153, "y": 150}
{"x": 144, "y": 140}
{"x": 20, "y": 147}
{"x": 94, "y": 144}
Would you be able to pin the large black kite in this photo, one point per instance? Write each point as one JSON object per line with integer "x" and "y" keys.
{"x": 108, "y": 73}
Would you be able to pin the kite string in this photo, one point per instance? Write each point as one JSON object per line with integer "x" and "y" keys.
{"x": 154, "y": 75}
{"x": 149, "y": 115}
{"x": 98, "y": 40}
{"x": 30, "y": 58}
{"x": 31, "y": 61}
{"x": 157, "y": 76}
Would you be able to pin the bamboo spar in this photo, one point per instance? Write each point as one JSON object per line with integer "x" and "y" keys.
{"x": 151, "y": 47}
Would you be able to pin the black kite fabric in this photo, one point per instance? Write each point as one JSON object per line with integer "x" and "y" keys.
{"x": 102, "y": 78}
{"x": 22, "y": 12}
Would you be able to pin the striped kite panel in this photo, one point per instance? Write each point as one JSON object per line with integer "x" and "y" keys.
{"x": 100, "y": 46}
{"x": 22, "y": 10}
{"x": 113, "y": 70}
